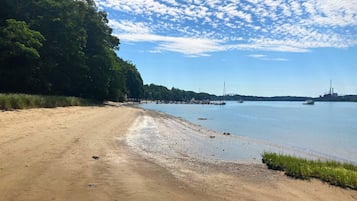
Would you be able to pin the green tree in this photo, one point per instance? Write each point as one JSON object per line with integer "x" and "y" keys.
{"x": 117, "y": 86}
{"x": 19, "y": 56}
{"x": 133, "y": 80}
{"x": 77, "y": 58}
{"x": 63, "y": 58}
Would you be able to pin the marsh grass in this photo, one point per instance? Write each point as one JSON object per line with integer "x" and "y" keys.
{"x": 335, "y": 173}
{"x": 25, "y": 101}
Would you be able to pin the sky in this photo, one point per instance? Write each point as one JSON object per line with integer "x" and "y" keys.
{"x": 253, "y": 47}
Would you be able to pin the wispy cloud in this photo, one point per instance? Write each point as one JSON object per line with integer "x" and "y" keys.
{"x": 201, "y": 27}
{"x": 257, "y": 55}
{"x": 187, "y": 46}
{"x": 129, "y": 27}
{"x": 278, "y": 59}
{"x": 266, "y": 57}
{"x": 190, "y": 46}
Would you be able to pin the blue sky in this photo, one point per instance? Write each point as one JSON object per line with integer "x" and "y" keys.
{"x": 257, "y": 47}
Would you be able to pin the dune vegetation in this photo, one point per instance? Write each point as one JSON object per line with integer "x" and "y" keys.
{"x": 25, "y": 101}
{"x": 335, "y": 173}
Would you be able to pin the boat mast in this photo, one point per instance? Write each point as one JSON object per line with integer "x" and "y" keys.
{"x": 224, "y": 88}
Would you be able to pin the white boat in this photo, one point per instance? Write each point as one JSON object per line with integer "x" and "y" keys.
{"x": 217, "y": 103}
{"x": 309, "y": 102}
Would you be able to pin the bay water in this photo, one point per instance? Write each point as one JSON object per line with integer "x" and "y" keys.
{"x": 326, "y": 129}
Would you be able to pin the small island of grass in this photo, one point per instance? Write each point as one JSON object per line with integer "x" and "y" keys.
{"x": 335, "y": 173}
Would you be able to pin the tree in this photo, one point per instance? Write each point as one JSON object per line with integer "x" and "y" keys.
{"x": 117, "y": 86}
{"x": 133, "y": 80}
{"x": 19, "y": 56}
{"x": 157, "y": 92}
{"x": 62, "y": 47}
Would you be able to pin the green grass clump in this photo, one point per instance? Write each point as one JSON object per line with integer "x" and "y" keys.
{"x": 25, "y": 101}
{"x": 335, "y": 173}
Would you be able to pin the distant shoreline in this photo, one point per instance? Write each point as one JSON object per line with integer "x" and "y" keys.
{"x": 347, "y": 98}
{"x": 160, "y": 93}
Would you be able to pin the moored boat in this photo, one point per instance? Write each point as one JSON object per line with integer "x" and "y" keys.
{"x": 309, "y": 102}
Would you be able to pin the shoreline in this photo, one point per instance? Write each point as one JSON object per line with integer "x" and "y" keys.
{"x": 286, "y": 138}
{"x": 162, "y": 138}
{"x": 47, "y": 154}
{"x": 235, "y": 148}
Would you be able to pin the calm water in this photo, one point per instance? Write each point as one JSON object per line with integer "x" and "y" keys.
{"x": 326, "y": 129}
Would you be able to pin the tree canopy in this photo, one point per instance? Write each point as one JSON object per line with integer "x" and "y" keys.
{"x": 157, "y": 92}
{"x": 62, "y": 47}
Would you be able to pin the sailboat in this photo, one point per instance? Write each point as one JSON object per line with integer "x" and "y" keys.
{"x": 221, "y": 102}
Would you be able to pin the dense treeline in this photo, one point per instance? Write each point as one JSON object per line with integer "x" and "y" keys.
{"x": 157, "y": 92}
{"x": 64, "y": 48}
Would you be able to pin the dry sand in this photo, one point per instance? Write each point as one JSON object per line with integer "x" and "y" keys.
{"x": 47, "y": 154}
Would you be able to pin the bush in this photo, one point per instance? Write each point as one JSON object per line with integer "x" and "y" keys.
{"x": 335, "y": 173}
{"x": 25, "y": 101}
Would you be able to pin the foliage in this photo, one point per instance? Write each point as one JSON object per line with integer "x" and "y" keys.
{"x": 19, "y": 40}
{"x": 62, "y": 47}
{"x": 335, "y": 173}
{"x": 157, "y": 92}
{"x": 134, "y": 82}
{"x": 19, "y": 54}
{"x": 24, "y": 101}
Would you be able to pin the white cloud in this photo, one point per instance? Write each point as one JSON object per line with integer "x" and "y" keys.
{"x": 333, "y": 12}
{"x": 286, "y": 10}
{"x": 172, "y": 2}
{"x": 279, "y": 59}
{"x": 129, "y": 27}
{"x": 184, "y": 45}
{"x": 295, "y": 7}
{"x": 269, "y": 45}
{"x": 272, "y": 4}
{"x": 310, "y": 7}
{"x": 140, "y": 6}
{"x": 200, "y": 27}
{"x": 257, "y": 55}
{"x": 213, "y": 3}
{"x": 266, "y": 58}
{"x": 231, "y": 10}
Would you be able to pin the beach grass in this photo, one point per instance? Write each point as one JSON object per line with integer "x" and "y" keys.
{"x": 26, "y": 101}
{"x": 335, "y": 173}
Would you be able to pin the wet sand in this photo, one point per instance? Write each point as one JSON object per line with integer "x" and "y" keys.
{"x": 208, "y": 160}
{"x": 47, "y": 154}
{"x": 163, "y": 135}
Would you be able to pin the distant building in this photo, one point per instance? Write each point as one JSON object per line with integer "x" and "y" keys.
{"x": 331, "y": 92}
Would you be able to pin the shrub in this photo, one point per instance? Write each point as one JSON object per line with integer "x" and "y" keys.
{"x": 25, "y": 101}
{"x": 335, "y": 173}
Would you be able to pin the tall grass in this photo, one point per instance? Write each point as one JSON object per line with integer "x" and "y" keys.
{"x": 335, "y": 173}
{"x": 25, "y": 101}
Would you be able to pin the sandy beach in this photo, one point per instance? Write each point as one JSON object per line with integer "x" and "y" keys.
{"x": 125, "y": 153}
